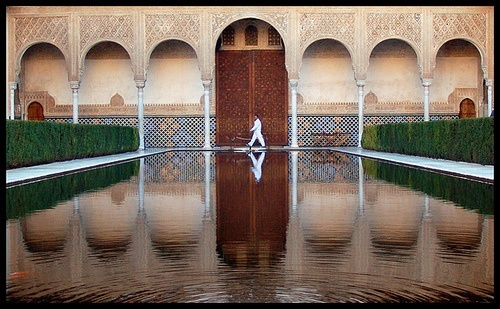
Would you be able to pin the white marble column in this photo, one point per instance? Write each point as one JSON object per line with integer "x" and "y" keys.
{"x": 361, "y": 85}
{"x": 426, "y": 83}
{"x": 140, "y": 112}
{"x": 12, "y": 87}
{"x": 206, "y": 108}
{"x": 74, "y": 92}
{"x": 488, "y": 86}
{"x": 293, "y": 85}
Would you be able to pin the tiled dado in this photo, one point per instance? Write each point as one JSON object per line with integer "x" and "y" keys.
{"x": 175, "y": 132}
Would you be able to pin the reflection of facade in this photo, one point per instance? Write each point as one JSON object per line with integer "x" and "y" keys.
{"x": 159, "y": 222}
{"x": 251, "y": 218}
{"x": 157, "y": 69}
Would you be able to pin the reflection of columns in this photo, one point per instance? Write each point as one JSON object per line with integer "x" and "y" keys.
{"x": 208, "y": 239}
{"x": 361, "y": 85}
{"x": 140, "y": 111}
{"x": 294, "y": 252}
{"x": 141, "y": 243}
{"x": 7, "y": 248}
{"x": 294, "y": 181}
{"x": 426, "y": 207}
{"x": 206, "y": 87}
{"x": 12, "y": 87}
{"x": 207, "y": 183}
{"x": 293, "y": 84}
{"x": 141, "y": 184}
{"x": 426, "y": 83}
{"x": 77, "y": 243}
{"x": 75, "y": 85}
{"x": 361, "y": 192}
{"x": 488, "y": 85}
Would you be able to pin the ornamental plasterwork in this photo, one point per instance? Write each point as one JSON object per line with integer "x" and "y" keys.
{"x": 115, "y": 27}
{"x": 336, "y": 25}
{"x": 49, "y": 29}
{"x": 451, "y": 25}
{"x": 328, "y": 108}
{"x": 280, "y": 22}
{"x": 459, "y": 94}
{"x": 219, "y": 21}
{"x": 159, "y": 27}
{"x": 384, "y": 25}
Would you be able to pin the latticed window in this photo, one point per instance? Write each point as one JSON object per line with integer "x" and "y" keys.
{"x": 251, "y": 36}
{"x": 228, "y": 36}
{"x": 273, "y": 37}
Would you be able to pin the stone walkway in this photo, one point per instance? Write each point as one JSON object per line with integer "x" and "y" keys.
{"x": 461, "y": 169}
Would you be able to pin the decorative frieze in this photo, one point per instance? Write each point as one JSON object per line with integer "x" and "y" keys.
{"x": 453, "y": 25}
{"x": 332, "y": 25}
{"x": 161, "y": 26}
{"x": 49, "y": 29}
{"x": 280, "y": 22}
{"x": 386, "y": 25}
{"x": 219, "y": 22}
{"x": 109, "y": 27}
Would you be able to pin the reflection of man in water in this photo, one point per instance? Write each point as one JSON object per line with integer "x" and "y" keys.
{"x": 257, "y": 165}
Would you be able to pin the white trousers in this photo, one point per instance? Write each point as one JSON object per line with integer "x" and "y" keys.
{"x": 257, "y": 135}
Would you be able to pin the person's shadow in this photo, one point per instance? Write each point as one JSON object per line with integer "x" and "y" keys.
{"x": 257, "y": 164}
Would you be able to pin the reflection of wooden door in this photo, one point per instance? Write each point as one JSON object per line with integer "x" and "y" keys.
{"x": 467, "y": 109}
{"x": 249, "y": 82}
{"x": 252, "y": 217}
{"x": 35, "y": 111}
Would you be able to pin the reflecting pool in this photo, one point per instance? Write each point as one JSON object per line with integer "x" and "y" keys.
{"x": 273, "y": 226}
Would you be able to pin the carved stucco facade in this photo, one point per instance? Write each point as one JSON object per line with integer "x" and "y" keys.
{"x": 139, "y": 30}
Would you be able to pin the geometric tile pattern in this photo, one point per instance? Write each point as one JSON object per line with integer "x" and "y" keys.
{"x": 176, "y": 132}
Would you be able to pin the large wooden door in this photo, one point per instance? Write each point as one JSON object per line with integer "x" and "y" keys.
{"x": 249, "y": 82}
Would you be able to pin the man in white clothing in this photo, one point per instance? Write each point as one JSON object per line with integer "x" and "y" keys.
{"x": 257, "y": 132}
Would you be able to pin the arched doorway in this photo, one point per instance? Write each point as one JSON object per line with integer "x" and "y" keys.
{"x": 35, "y": 111}
{"x": 251, "y": 78}
{"x": 467, "y": 109}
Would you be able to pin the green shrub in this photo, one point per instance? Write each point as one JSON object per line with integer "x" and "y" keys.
{"x": 467, "y": 140}
{"x": 37, "y": 142}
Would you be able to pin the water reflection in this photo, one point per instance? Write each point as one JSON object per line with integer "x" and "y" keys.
{"x": 318, "y": 226}
{"x": 252, "y": 212}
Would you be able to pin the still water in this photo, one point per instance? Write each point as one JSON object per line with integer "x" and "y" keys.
{"x": 274, "y": 226}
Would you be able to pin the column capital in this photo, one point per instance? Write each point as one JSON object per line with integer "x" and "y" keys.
{"x": 360, "y": 82}
{"x": 293, "y": 82}
{"x": 140, "y": 83}
{"x": 74, "y": 84}
{"x": 13, "y": 85}
{"x": 426, "y": 82}
{"x": 207, "y": 84}
{"x": 488, "y": 82}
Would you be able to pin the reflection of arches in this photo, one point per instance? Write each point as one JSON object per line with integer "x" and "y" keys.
{"x": 35, "y": 111}
{"x": 40, "y": 237}
{"x": 467, "y": 109}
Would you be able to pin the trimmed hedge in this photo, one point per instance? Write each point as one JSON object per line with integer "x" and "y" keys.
{"x": 467, "y": 140}
{"x": 38, "y": 142}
